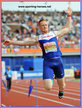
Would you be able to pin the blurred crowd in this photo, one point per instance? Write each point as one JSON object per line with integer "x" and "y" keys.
{"x": 22, "y": 25}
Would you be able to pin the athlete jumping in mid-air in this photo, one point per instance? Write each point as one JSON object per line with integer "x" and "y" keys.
{"x": 51, "y": 52}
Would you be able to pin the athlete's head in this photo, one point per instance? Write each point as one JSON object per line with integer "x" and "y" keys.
{"x": 8, "y": 68}
{"x": 43, "y": 25}
{"x": 21, "y": 66}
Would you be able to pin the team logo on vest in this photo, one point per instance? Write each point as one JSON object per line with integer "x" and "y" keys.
{"x": 50, "y": 47}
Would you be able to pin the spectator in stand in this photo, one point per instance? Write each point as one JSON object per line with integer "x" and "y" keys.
{"x": 28, "y": 20}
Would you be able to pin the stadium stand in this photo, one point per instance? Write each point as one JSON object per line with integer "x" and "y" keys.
{"x": 22, "y": 25}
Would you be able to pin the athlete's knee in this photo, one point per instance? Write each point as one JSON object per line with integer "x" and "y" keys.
{"x": 48, "y": 87}
{"x": 48, "y": 84}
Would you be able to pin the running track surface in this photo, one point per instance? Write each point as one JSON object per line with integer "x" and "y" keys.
{"x": 18, "y": 95}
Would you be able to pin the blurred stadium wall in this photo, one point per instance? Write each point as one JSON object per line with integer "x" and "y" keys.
{"x": 33, "y": 63}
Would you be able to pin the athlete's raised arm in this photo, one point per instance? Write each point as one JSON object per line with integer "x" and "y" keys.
{"x": 29, "y": 42}
{"x": 68, "y": 25}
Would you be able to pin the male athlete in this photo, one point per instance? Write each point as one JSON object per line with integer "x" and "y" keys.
{"x": 51, "y": 52}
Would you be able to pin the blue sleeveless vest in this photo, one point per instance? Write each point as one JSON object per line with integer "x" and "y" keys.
{"x": 49, "y": 45}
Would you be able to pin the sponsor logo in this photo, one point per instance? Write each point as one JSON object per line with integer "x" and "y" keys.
{"x": 47, "y": 36}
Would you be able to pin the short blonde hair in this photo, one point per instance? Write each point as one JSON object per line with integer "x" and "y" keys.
{"x": 41, "y": 20}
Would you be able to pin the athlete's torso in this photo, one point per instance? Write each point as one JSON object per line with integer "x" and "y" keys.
{"x": 8, "y": 74}
{"x": 49, "y": 45}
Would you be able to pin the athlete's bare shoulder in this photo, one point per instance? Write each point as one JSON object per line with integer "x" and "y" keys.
{"x": 56, "y": 33}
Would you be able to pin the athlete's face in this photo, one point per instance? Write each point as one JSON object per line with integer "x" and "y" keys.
{"x": 43, "y": 26}
{"x": 8, "y": 68}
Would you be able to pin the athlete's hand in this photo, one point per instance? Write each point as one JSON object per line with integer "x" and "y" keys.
{"x": 7, "y": 42}
{"x": 69, "y": 11}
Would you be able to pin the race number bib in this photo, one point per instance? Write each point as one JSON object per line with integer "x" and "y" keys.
{"x": 50, "y": 47}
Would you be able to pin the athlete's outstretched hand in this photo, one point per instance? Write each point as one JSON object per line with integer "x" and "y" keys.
{"x": 7, "y": 42}
{"x": 68, "y": 12}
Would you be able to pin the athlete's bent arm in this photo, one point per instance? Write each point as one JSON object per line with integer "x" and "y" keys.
{"x": 29, "y": 42}
{"x": 67, "y": 27}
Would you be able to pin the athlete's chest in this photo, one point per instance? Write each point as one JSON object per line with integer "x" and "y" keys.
{"x": 48, "y": 42}
{"x": 47, "y": 36}
{"x": 8, "y": 72}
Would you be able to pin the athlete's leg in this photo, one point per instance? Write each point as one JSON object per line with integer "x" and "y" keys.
{"x": 61, "y": 83}
{"x": 10, "y": 83}
{"x": 59, "y": 72}
{"x": 7, "y": 84}
{"x": 48, "y": 84}
{"x": 47, "y": 75}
